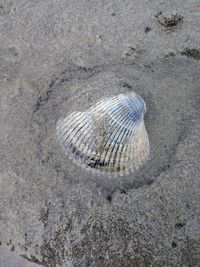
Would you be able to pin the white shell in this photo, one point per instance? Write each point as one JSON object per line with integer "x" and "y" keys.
{"x": 109, "y": 137}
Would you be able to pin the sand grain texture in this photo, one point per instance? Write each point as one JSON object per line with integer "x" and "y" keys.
{"x": 60, "y": 56}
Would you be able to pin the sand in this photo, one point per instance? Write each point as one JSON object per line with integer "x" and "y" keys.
{"x": 60, "y": 56}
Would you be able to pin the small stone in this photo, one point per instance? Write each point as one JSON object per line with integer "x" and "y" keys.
{"x": 113, "y": 14}
{"x": 147, "y": 29}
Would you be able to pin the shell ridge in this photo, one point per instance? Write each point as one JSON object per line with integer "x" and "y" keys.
{"x": 120, "y": 146}
{"x": 122, "y": 163}
{"x": 115, "y": 149}
{"x": 118, "y": 108}
{"x": 113, "y": 137}
{"x": 71, "y": 132}
{"x": 92, "y": 109}
{"x": 74, "y": 122}
{"x": 103, "y": 155}
{"x": 84, "y": 134}
{"x": 133, "y": 115}
{"x": 129, "y": 136}
{"x": 70, "y": 125}
{"x": 100, "y": 156}
{"x": 137, "y": 150}
{"x": 62, "y": 133}
{"x": 110, "y": 148}
{"x": 117, "y": 134}
{"x": 94, "y": 137}
{"x": 125, "y": 126}
{"x": 61, "y": 125}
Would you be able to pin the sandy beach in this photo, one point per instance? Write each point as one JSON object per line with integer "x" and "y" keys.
{"x": 61, "y": 56}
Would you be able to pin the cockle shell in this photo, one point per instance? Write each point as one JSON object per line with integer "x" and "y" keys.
{"x": 109, "y": 137}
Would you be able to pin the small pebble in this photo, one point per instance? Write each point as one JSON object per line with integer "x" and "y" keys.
{"x": 147, "y": 29}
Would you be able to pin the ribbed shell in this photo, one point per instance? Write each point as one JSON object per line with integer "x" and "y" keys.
{"x": 108, "y": 137}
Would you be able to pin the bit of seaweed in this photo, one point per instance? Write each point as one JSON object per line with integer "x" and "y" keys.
{"x": 125, "y": 85}
{"x": 129, "y": 51}
{"x": 45, "y": 97}
{"x": 169, "y": 22}
{"x": 44, "y": 216}
{"x": 179, "y": 225}
{"x": 168, "y": 55}
{"x": 191, "y": 52}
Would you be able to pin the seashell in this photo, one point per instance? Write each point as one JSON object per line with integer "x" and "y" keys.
{"x": 108, "y": 137}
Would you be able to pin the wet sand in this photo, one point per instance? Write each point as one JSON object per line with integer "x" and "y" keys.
{"x": 59, "y": 57}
